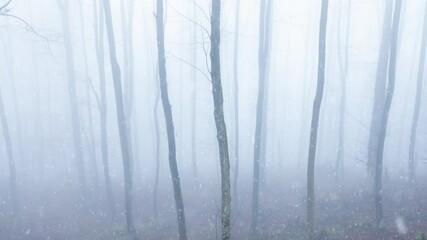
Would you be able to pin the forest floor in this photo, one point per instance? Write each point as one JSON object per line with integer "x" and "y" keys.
{"x": 344, "y": 212}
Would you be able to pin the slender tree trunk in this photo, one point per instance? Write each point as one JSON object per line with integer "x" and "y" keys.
{"x": 315, "y": 119}
{"x": 11, "y": 73}
{"x": 416, "y": 114}
{"x": 9, "y": 150}
{"x": 194, "y": 99}
{"x": 380, "y": 88}
{"x": 91, "y": 138}
{"x": 262, "y": 66}
{"x": 267, "y": 42}
{"x": 343, "y": 63}
{"x": 386, "y": 112}
{"x": 99, "y": 43}
{"x": 157, "y": 152}
{"x": 219, "y": 118}
{"x": 169, "y": 123}
{"x": 236, "y": 101}
{"x": 72, "y": 94}
{"x": 121, "y": 119}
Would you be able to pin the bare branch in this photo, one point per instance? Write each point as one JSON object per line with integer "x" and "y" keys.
{"x": 189, "y": 19}
{"x": 192, "y": 65}
{"x": 4, "y": 6}
{"x": 206, "y": 53}
{"x": 29, "y": 27}
{"x": 94, "y": 93}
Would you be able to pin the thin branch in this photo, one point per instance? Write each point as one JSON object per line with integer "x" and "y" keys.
{"x": 94, "y": 93}
{"x": 189, "y": 19}
{"x": 206, "y": 53}
{"x": 4, "y": 6}
{"x": 203, "y": 11}
{"x": 192, "y": 65}
{"x": 29, "y": 27}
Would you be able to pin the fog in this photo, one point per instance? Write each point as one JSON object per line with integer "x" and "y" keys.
{"x": 222, "y": 119}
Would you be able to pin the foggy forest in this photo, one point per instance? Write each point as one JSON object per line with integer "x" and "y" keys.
{"x": 213, "y": 119}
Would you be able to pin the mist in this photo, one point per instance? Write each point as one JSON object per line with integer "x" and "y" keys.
{"x": 221, "y": 119}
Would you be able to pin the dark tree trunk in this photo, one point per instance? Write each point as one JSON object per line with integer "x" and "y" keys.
{"x": 121, "y": 120}
{"x": 416, "y": 114}
{"x": 169, "y": 123}
{"x": 315, "y": 119}
{"x": 99, "y": 43}
{"x": 72, "y": 94}
{"x": 386, "y": 112}
{"x": 9, "y": 150}
{"x": 380, "y": 88}
{"x": 219, "y": 118}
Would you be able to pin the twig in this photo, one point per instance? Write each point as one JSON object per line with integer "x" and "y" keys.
{"x": 189, "y": 19}
{"x": 29, "y": 27}
{"x": 4, "y": 6}
{"x": 192, "y": 65}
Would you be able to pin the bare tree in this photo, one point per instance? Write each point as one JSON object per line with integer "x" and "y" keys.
{"x": 169, "y": 123}
{"x": 121, "y": 120}
{"x": 315, "y": 119}
{"x": 236, "y": 101}
{"x": 416, "y": 114}
{"x": 72, "y": 94}
{"x": 9, "y": 150}
{"x": 343, "y": 63}
{"x": 380, "y": 87}
{"x": 262, "y": 73}
{"x": 89, "y": 134}
{"x": 102, "y": 100}
{"x": 386, "y": 112}
{"x": 219, "y": 118}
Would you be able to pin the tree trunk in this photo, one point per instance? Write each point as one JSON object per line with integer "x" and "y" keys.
{"x": 91, "y": 138}
{"x": 343, "y": 63}
{"x": 386, "y": 112}
{"x": 416, "y": 114}
{"x": 9, "y": 150}
{"x": 99, "y": 43}
{"x": 219, "y": 118}
{"x": 169, "y": 123}
{"x": 157, "y": 152}
{"x": 72, "y": 94}
{"x": 380, "y": 88}
{"x": 194, "y": 99}
{"x": 236, "y": 102}
{"x": 315, "y": 119}
{"x": 121, "y": 119}
{"x": 262, "y": 66}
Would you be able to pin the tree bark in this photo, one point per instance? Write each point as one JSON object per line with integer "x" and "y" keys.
{"x": 219, "y": 118}
{"x": 418, "y": 95}
{"x": 386, "y": 112}
{"x": 169, "y": 123}
{"x": 72, "y": 94}
{"x": 99, "y": 43}
{"x": 315, "y": 119}
{"x": 121, "y": 120}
